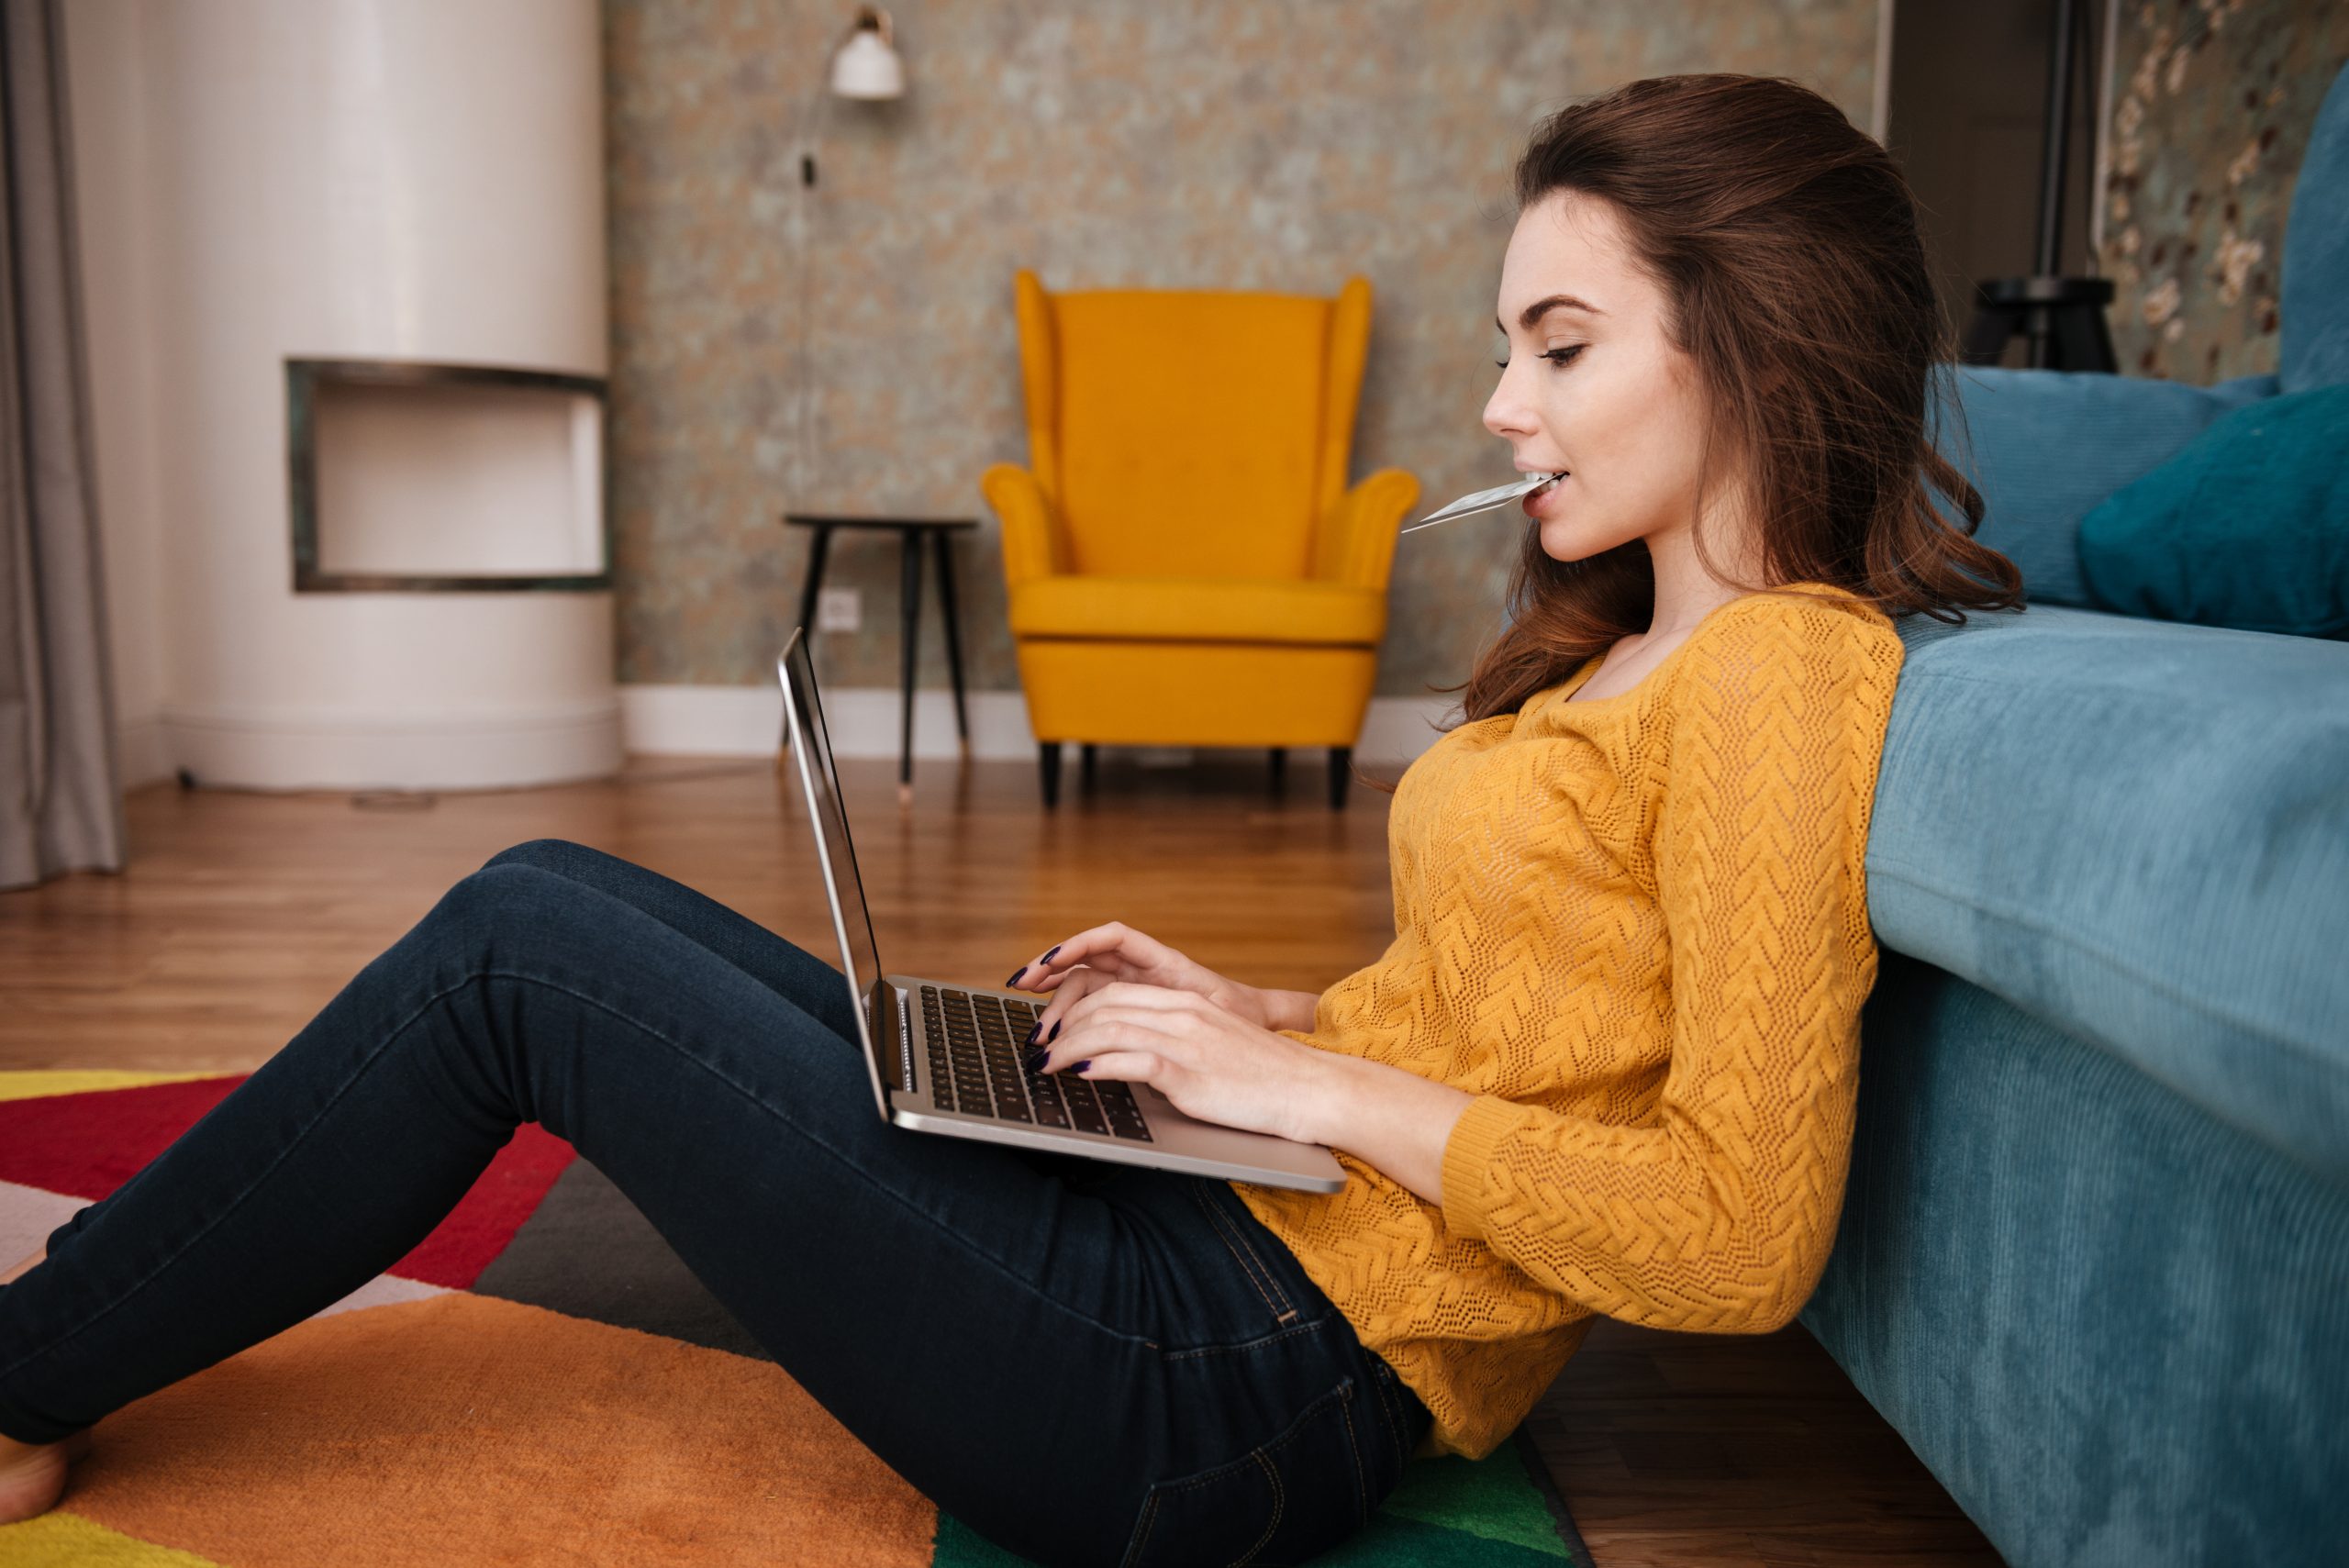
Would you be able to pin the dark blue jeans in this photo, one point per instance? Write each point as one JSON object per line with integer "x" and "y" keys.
{"x": 1086, "y": 1362}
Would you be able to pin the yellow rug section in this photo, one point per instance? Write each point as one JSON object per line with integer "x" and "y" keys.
{"x": 29, "y": 1085}
{"x": 60, "y": 1540}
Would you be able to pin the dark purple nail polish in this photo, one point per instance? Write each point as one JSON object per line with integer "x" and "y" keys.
{"x": 1016, "y": 974}
{"x": 1031, "y": 1032}
{"x": 1048, "y": 957}
{"x": 1056, "y": 1031}
{"x": 1036, "y": 1060}
{"x": 1080, "y": 1066}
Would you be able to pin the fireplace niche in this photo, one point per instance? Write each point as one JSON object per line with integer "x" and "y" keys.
{"x": 408, "y": 476}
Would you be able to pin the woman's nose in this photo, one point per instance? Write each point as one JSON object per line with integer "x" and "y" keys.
{"x": 1504, "y": 413}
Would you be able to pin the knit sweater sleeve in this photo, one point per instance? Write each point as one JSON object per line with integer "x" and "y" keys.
{"x": 1719, "y": 1214}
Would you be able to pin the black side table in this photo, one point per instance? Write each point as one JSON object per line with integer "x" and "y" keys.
{"x": 910, "y": 531}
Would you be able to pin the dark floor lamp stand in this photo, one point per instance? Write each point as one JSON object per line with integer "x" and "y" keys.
{"x": 2061, "y": 319}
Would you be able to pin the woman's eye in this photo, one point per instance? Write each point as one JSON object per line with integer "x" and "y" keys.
{"x": 1555, "y": 356}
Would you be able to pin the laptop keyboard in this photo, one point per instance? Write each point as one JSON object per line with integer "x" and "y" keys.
{"x": 977, "y": 1067}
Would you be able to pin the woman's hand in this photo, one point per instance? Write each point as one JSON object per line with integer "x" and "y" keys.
{"x": 1212, "y": 1063}
{"x": 1094, "y": 958}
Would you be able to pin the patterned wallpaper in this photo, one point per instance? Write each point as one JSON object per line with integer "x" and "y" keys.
{"x": 2213, "y": 101}
{"x": 1147, "y": 144}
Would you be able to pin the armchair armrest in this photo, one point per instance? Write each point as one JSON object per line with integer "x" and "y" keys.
{"x": 1035, "y": 544}
{"x": 1354, "y": 542}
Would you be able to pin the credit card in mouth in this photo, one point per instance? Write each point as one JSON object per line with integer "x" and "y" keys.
{"x": 1483, "y": 500}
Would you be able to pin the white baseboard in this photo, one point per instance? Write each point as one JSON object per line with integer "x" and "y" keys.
{"x": 747, "y": 721}
{"x": 334, "y": 749}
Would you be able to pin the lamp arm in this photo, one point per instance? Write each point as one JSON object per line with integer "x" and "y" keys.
{"x": 810, "y": 115}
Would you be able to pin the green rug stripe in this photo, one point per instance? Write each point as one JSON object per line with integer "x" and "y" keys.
{"x": 1492, "y": 1498}
{"x": 1561, "y": 1518}
{"x": 1389, "y": 1540}
{"x": 1397, "y": 1540}
{"x": 960, "y": 1546}
{"x": 1486, "y": 1513}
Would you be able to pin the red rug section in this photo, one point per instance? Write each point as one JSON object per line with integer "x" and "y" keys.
{"x": 486, "y": 1219}
{"x": 85, "y": 1145}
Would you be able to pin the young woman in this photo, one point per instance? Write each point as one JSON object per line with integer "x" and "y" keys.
{"x": 1608, "y": 1065}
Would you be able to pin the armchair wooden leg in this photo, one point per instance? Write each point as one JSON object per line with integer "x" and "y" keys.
{"x": 1049, "y": 755}
{"x": 1280, "y": 768}
{"x": 1085, "y": 760}
{"x": 1340, "y": 769}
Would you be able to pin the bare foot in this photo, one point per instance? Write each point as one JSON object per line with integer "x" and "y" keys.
{"x": 32, "y": 1476}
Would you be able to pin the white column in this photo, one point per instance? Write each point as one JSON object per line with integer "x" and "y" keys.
{"x": 405, "y": 180}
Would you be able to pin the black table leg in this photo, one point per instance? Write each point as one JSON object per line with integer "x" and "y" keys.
{"x": 953, "y": 633}
{"x": 816, "y": 547}
{"x": 819, "y": 544}
{"x": 910, "y": 617}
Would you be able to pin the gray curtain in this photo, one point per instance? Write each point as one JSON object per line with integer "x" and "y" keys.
{"x": 60, "y": 807}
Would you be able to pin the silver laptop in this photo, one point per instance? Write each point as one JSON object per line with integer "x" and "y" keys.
{"x": 951, "y": 1059}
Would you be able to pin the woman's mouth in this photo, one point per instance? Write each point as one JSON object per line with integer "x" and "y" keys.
{"x": 1536, "y": 501}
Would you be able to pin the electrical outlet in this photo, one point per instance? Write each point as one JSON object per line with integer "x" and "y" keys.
{"x": 840, "y": 609}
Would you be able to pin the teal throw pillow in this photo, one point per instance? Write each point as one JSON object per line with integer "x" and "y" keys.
{"x": 2246, "y": 526}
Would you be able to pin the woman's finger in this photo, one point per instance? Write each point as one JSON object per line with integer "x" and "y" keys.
{"x": 1079, "y": 984}
{"x": 1114, "y": 965}
{"x": 1067, "y": 991}
{"x": 1068, "y": 952}
{"x": 1134, "y": 998}
{"x": 1106, "y": 1036}
{"x": 1131, "y": 1066}
{"x": 1093, "y": 946}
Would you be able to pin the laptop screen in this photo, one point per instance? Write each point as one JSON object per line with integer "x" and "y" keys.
{"x": 804, "y": 713}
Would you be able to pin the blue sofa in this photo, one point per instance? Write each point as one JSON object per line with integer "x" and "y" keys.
{"x": 2094, "y": 1255}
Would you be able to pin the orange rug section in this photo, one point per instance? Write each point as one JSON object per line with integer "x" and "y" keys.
{"x": 430, "y": 1432}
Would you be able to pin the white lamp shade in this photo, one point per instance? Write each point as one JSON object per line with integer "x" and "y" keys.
{"x": 866, "y": 67}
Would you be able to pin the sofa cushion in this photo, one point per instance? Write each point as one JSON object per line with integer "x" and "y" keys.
{"x": 2047, "y": 446}
{"x": 2138, "y": 832}
{"x": 2313, "y": 302}
{"x": 2248, "y": 527}
{"x": 1198, "y": 609}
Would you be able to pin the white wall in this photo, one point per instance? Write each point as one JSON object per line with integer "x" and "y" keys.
{"x": 107, "y": 95}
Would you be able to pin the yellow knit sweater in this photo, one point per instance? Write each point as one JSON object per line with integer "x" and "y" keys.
{"x": 1636, "y": 929}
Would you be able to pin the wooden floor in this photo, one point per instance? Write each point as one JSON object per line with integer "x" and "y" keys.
{"x": 241, "y": 914}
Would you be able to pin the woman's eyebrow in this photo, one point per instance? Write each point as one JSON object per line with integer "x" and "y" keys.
{"x": 1533, "y": 313}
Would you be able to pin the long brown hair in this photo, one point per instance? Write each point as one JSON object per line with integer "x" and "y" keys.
{"x": 1785, "y": 242}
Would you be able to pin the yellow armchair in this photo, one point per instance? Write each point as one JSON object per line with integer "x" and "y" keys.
{"x": 1185, "y": 564}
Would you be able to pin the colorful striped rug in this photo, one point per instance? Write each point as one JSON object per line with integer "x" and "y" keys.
{"x": 542, "y": 1380}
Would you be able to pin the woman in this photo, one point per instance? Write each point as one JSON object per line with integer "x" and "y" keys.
{"x": 1609, "y": 1064}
